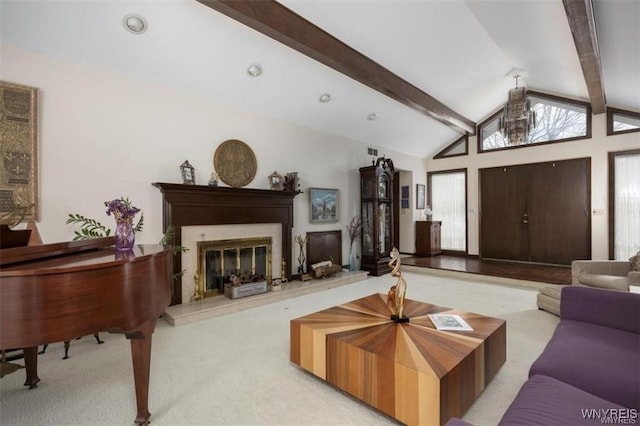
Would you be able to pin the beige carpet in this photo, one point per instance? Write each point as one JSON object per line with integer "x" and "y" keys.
{"x": 235, "y": 369}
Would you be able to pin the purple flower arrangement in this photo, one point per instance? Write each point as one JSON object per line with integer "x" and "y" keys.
{"x": 121, "y": 209}
{"x": 123, "y": 212}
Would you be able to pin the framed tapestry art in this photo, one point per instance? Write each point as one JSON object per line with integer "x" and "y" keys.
{"x": 323, "y": 205}
{"x": 19, "y": 150}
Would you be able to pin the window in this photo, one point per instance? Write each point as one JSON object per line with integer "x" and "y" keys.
{"x": 621, "y": 121}
{"x": 458, "y": 147}
{"x": 448, "y": 201}
{"x": 624, "y": 204}
{"x": 557, "y": 120}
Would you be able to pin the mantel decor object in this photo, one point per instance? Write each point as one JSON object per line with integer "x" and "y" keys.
{"x": 213, "y": 180}
{"x": 292, "y": 183}
{"x": 276, "y": 181}
{"x": 235, "y": 163}
{"x": 188, "y": 173}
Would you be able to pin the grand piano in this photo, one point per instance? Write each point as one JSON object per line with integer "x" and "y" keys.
{"x": 58, "y": 292}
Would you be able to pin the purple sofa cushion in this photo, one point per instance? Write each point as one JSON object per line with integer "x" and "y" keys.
{"x": 544, "y": 400}
{"x": 600, "y": 360}
{"x": 615, "y": 309}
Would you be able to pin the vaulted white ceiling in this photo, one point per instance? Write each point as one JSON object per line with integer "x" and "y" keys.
{"x": 458, "y": 51}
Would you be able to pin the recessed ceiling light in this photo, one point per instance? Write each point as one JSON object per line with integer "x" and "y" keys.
{"x": 324, "y": 98}
{"x": 254, "y": 70}
{"x": 135, "y": 24}
{"x": 372, "y": 116}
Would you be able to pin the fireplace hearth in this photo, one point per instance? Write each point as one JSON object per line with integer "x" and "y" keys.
{"x": 199, "y": 205}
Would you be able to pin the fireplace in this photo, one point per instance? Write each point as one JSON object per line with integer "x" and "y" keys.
{"x": 188, "y": 206}
{"x": 195, "y": 238}
{"x": 224, "y": 264}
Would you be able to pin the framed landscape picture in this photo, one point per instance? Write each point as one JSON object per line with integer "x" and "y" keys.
{"x": 323, "y": 205}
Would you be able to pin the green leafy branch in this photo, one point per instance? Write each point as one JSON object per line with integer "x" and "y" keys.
{"x": 138, "y": 226}
{"x": 89, "y": 228}
{"x": 167, "y": 239}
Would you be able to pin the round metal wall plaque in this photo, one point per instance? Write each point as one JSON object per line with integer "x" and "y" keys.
{"x": 235, "y": 163}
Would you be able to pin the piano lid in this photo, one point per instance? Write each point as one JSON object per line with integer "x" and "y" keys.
{"x": 23, "y": 254}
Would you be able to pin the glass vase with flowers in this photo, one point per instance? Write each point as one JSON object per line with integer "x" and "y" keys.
{"x": 123, "y": 212}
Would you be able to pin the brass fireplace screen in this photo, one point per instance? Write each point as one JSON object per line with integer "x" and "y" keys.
{"x": 222, "y": 262}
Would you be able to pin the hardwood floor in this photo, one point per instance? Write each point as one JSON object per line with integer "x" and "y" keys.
{"x": 517, "y": 270}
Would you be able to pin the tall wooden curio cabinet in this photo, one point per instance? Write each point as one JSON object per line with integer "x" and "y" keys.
{"x": 376, "y": 211}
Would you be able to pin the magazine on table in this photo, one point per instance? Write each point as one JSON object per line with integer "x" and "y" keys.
{"x": 449, "y": 322}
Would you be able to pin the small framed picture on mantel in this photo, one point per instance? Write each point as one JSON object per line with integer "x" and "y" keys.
{"x": 188, "y": 173}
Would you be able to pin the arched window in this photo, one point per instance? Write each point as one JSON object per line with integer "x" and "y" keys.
{"x": 621, "y": 121}
{"x": 557, "y": 120}
{"x": 458, "y": 147}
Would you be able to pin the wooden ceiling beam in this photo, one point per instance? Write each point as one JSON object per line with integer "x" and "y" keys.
{"x": 583, "y": 27}
{"x": 280, "y": 23}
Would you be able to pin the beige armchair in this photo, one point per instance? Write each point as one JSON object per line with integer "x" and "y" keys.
{"x": 609, "y": 274}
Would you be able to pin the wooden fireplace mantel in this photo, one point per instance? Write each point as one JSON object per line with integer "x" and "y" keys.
{"x": 200, "y": 205}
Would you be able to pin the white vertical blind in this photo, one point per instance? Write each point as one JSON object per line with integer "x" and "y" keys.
{"x": 626, "y": 241}
{"x": 448, "y": 199}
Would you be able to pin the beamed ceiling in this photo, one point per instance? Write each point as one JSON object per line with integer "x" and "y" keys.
{"x": 429, "y": 69}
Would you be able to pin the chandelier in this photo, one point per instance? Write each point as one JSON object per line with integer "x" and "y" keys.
{"x": 517, "y": 119}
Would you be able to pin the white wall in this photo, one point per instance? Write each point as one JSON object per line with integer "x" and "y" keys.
{"x": 103, "y": 136}
{"x": 597, "y": 148}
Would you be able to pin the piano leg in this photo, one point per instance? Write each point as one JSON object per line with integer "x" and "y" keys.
{"x": 141, "y": 357}
{"x": 31, "y": 365}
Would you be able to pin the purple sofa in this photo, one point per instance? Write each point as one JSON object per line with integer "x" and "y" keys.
{"x": 589, "y": 372}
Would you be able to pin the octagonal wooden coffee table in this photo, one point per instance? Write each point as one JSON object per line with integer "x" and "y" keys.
{"x": 410, "y": 371}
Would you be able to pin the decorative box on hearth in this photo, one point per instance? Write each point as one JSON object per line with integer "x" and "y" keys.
{"x": 244, "y": 290}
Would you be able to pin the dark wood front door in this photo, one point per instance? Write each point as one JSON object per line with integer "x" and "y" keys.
{"x": 560, "y": 225}
{"x": 536, "y": 212}
{"x": 503, "y": 192}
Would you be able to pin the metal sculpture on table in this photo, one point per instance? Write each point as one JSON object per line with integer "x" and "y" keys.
{"x": 395, "y": 297}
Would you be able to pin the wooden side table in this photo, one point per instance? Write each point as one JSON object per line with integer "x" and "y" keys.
{"x": 428, "y": 238}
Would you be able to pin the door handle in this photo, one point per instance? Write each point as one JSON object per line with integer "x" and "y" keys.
{"x": 525, "y": 221}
